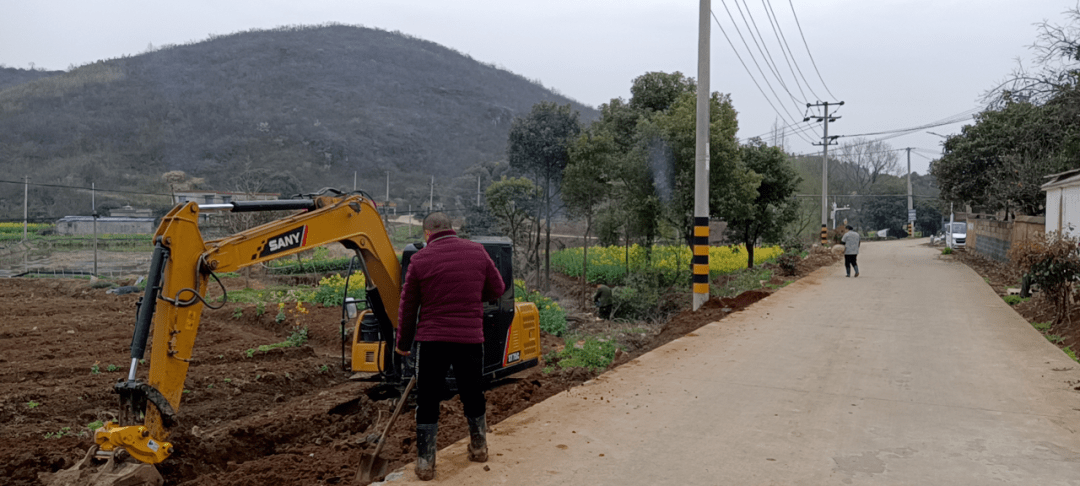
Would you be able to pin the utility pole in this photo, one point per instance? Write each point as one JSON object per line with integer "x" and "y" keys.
{"x": 26, "y": 199}
{"x": 825, "y": 142}
{"x": 911, "y": 224}
{"x": 431, "y": 196}
{"x": 700, "y": 259}
{"x": 354, "y": 181}
{"x": 477, "y": 191}
{"x": 93, "y": 209}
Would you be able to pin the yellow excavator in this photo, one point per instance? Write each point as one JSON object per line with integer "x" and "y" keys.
{"x": 180, "y": 271}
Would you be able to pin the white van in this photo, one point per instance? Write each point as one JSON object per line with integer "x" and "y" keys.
{"x": 955, "y": 234}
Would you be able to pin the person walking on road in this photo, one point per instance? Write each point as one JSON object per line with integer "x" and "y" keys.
{"x": 602, "y": 300}
{"x": 442, "y": 310}
{"x": 851, "y": 250}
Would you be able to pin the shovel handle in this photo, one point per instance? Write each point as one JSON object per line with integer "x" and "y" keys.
{"x": 397, "y": 411}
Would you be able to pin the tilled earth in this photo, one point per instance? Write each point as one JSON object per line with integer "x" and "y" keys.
{"x": 285, "y": 416}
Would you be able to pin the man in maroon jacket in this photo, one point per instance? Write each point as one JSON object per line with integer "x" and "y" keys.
{"x": 446, "y": 286}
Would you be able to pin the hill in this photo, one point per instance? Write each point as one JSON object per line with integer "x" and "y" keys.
{"x": 11, "y": 76}
{"x": 284, "y": 110}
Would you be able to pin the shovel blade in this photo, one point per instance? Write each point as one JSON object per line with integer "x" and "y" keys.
{"x": 371, "y": 468}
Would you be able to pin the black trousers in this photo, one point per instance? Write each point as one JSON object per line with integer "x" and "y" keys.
{"x": 433, "y": 362}
{"x": 851, "y": 261}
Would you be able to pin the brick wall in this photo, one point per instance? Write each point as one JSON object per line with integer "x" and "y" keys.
{"x": 994, "y": 238}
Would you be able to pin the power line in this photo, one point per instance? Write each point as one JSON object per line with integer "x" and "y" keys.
{"x": 808, "y": 51}
{"x": 764, "y": 49}
{"x": 737, "y": 55}
{"x": 119, "y": 191}
{"x": 768, "y": 4}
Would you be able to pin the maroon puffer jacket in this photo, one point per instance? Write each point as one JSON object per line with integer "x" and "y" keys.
{"x": 447, "y": 282}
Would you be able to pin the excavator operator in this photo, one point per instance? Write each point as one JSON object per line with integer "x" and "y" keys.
{"x": 446, "y": 284}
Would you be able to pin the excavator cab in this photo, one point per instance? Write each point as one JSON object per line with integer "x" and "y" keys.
{"x": 511, "y": 329}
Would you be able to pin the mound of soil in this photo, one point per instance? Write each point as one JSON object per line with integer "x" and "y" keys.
{"x": 285, "y": 416}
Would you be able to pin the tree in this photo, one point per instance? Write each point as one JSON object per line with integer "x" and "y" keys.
{"x": 657, "y": 91}
{"x": 510, "y": 201}
{"x": 538, "y": 145}
{"x": 765, "y": 216}
{"x": 861, "y": 162}
{"x": 586, "y": 184}
{"x": 729, "y": 180}
{"x": 999, "y": 162}
{"x": 886, "y": 213}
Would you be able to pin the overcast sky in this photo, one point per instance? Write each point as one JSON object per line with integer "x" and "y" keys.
{"x": 896, "y": 64}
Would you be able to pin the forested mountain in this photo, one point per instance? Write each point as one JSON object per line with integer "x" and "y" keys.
{"x": 284, "y": 110}
{"x": 11, "y": 76}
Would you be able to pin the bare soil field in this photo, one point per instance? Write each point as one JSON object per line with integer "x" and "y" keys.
{"x": 285, "y": 416}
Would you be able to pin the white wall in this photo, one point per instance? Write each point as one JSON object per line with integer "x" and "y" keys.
{"x": 1063, "y": 206}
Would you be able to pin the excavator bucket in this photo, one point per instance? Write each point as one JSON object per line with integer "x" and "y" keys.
{"x": 118, "y": 470}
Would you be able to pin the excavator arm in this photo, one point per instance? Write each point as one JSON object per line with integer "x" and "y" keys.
{"x": 181, "y": 267}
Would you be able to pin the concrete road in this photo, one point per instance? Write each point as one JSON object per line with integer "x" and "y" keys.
{"x": 915, "y": 373}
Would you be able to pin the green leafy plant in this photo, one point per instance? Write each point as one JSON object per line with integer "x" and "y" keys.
{"x": 93, "y": 426}
{"x": 552, "y": 315}
{"x": 111, "y": 368}
{"x": 95, "y": 369}
{"x": 1042, "y": 326}
{"x": 1054, "y": 338}
{"x": 250, "y": 352}
{"x": 946, "y": 251}
{"x": 1013, "y": 299}
{"x": 238, "y": 312}
{"x": 227, "y": 380}
{"x": 591, "y": 352}
{"x": 58, "y": 434}
{"x": 32, "y": 404}
{"x": 280, "y": 317}
{"x": 260, "y": 309}
{"x": 324, "y": 369}
{"x": 1070, "y": 352}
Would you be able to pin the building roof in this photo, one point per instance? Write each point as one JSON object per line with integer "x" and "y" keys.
{"x": 1067, "y": 178}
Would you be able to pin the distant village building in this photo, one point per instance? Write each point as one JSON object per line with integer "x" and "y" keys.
{"x": 130, "y": 212}
{"x": 220, "y": 197}
{"x": 84, "y": 225}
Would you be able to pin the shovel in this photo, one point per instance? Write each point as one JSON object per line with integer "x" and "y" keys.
{"x": 373, "y": 466}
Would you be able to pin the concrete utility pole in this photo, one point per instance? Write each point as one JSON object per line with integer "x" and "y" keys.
{"x": 431, "y": 197}
{"x": 93, "y": 209}
{"x": 825, "y": 142}
{"x": 354, "y": 181}
{"x": 388, "y": 188}
{"x": 911, "y": 224}
{"x": 477, "y": 191}
{"x": 700, "y": 260}
{"x": 25, "y": 204}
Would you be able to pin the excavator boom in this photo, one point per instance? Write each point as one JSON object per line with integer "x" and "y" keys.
{"x": 181, "y": 266}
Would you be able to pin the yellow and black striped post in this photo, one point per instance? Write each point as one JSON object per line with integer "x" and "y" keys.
{"x": 701, "y": 256}
{"x": 824, "y": 236}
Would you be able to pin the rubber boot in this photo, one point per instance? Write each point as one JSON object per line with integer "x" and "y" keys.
{"x": 478, "y": 451}
{"x": 425, "y": 450}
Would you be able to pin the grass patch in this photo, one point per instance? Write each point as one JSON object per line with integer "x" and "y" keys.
{"x": 590, "y": 352}
{"x": 741, "y": 281}
{"x": 298, "y": 338}
{"x": 1013, "y": 299}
